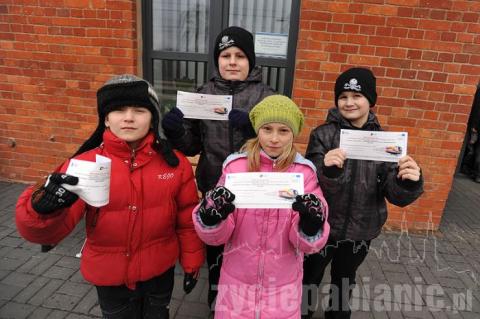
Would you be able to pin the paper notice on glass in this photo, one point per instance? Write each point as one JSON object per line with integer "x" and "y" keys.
{"x": 93, "y": 180}
{"x": 264, "y": 190}
{"x": 204, "y": 106}
{"x": 271, "y": 44}
{"x": 374, "y": 145}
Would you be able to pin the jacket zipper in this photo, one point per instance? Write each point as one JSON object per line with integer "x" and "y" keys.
{"x": 348, "y": 214}
{"x": 132, "y": 160}
{"x": 230, "y": 128}
{"x": 128, "y": 250}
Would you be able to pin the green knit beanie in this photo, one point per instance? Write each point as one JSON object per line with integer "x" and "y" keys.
{"x": 279, "y": 109}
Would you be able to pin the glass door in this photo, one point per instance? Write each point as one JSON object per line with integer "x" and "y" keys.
{"x": 179, "y": 34}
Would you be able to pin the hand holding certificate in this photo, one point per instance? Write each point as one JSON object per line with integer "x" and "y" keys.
{"x": 204, "y": 106}
{"x": 264, "y": 190}
{"x": 93, "y": 180}
{"x": 374, "y": 145}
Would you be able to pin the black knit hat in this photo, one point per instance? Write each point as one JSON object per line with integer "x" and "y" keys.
{"x": 357, "y": 80}
{"x": 235, "y": 37}
{"x": 129, "y": 90}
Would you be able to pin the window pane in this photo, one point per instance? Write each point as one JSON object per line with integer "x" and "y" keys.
{"x": 170, "y": 76}
{"x": 274, "y": 77}
{"x": 261, "y": 15}
{"x": 181, "y": 25}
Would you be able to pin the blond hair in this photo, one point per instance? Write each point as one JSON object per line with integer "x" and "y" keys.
{"x": 252, "y": 148}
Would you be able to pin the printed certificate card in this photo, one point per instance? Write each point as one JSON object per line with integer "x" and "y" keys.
{"x": 264, "y": 190}
{"x": 374, "y": 145}
{"x": 93, "y": 180}
{"x": 204, "y": 106}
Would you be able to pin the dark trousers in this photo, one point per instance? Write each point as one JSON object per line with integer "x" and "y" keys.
{"x": 345, "y": 256}
{"x": 214, "y": 262}
{"x": 149, "y": 300}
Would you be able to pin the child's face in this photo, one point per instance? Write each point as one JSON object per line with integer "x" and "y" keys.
{"x": 129, "y": 123}
{"x": 354, "y": 107}
{"x": 274, "y": 137}
{"x": 233, "y": 64}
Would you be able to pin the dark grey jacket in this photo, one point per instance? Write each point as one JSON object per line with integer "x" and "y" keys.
{"x": 356, "y": 194}
{"x": 215, "y": 140}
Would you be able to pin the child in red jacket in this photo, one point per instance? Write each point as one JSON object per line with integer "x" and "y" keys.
{"x": 134, "y": 241}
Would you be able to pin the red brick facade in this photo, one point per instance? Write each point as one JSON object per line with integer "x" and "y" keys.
{"x": 425, "y": 54}
{"x": 53, "y": 57}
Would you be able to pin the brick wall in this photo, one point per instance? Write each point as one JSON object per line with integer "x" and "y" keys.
{"x": 426, "y": 56}
{"x": 53, "y": 57}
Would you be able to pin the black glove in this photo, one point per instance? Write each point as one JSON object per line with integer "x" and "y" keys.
{"x": 216, "y": 206}
{"x": 52, "y": 196}
{"x": 238, "y": 118}
{"x": 172, "y": 123}
{"x": 311, "y": 211}
{"x": 190, "y": 281}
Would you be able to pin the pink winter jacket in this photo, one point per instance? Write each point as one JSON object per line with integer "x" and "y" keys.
{"x": 261, "y": 275}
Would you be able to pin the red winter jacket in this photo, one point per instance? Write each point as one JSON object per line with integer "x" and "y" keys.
{"x": 144, "y": 229}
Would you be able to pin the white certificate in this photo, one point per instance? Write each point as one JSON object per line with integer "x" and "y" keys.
{"x": 264, "y": 190}
{"x": 374, "y": 145}
{"x": 204, "y": 106}
{"x": 93, "y": 180}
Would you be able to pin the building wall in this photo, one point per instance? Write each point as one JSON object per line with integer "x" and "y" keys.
{"x": 55, "y": 54}
{"x": 426, "y": 56}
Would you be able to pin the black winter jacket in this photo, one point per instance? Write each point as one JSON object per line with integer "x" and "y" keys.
{"x": 215, "y": 140}
{"x": 356, "y": 193}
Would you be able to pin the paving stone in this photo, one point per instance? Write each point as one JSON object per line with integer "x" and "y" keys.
{"x": 88, "y": 302}
{"x": 96, "y": 312}
{"x": 69, "y": 262}
{"x": 5, "y": 231}
{"x": 10, "y": 241}
{"x": 58, "y": 314}
{"x": 18, "y": 279}
{"x": 22, "y": 254}
{"x": 3, "y": 274}
{"x": 40, "y": 313}
{"x": 393, "y": 268}
{"x": 194, "y": 310}
{"x": 61, "y": 301}
{"x": 74, "y": 289}
{"x": 362, "y": 315}
{"x": 10, "y": 264}
{"x": 7, "y": 292}
{"x": 451, "y": 282}
{"x": 4, "y": 251}
{"x": 45, "y": 264}
{"x": 59, "y": 272}
{"x": 29, "y": 291}
{"x": 77, "y": 316}
{"x": 32, "y": 263}
{"x": 196, "y": 293}
{"x": 77, "y": 277}
{"x": 45, "y": 292}
{"x": 12, "y": 310}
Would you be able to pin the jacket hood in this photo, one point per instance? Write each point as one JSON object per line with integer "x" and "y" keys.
{"x": 334, "y": 116}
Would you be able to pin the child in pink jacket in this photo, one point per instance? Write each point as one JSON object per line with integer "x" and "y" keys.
{"x": 261, "y": 274}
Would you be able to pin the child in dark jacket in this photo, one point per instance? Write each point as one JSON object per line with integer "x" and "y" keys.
{"x": 134, "y": 241}
{"x": 237, "y": 75}
{"x": 355, "y": 190}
